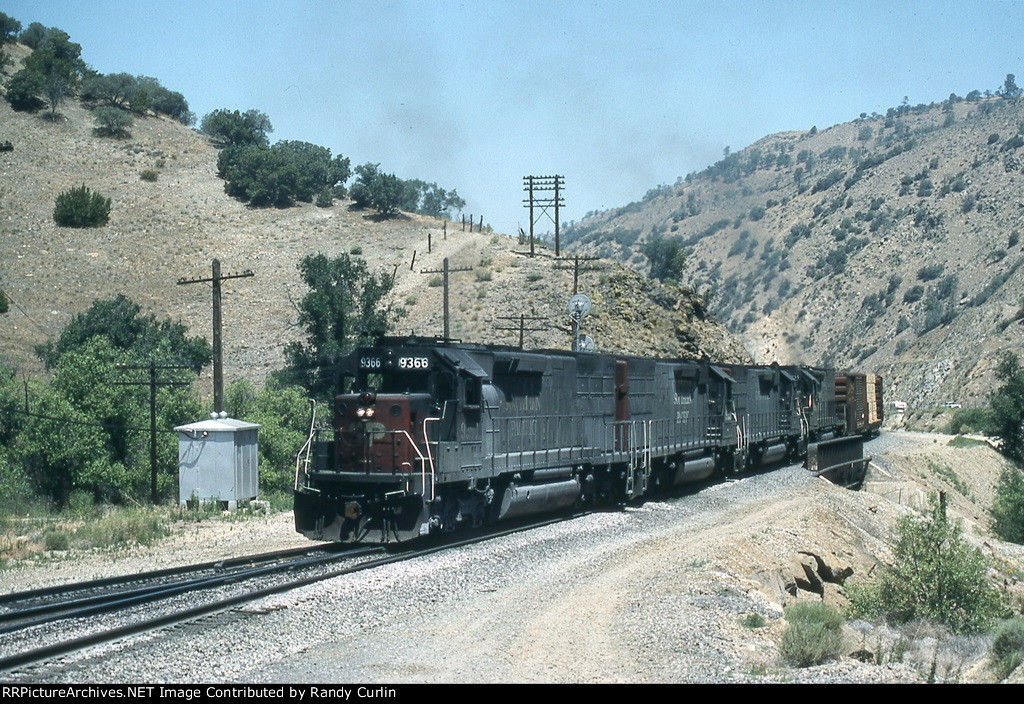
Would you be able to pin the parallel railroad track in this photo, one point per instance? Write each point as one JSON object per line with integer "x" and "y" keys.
{"x": 32, "y": 628}
{"x": 23, "y": 610}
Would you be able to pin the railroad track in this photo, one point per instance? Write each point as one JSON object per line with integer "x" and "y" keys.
{"x": 49, "y": 599}
{"x": 77, "y": 616}
{"x": 51, "y": 614}
{"x": 22, "y": 610}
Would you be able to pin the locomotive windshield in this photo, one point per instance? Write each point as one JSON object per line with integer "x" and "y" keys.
{"x": 394, "y": 382}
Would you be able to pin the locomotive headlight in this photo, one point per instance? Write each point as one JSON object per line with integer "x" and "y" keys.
{"x": 364, "y": 412}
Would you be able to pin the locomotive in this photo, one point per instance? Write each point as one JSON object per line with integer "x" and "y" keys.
{"x": 435, "y": 435}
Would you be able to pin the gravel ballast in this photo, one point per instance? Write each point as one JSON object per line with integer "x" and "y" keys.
{"x": 652, "y": 593}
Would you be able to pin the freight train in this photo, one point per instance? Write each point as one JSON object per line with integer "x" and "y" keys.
{"x": 436, "y": 435}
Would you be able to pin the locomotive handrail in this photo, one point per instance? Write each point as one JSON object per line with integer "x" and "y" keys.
{"x": 544, "y": 440}
{"x": 647, "y": 445}
{"x": 430, "y": 458}
{"x": 306, "y": 447}
{"x": 670, "y": 435}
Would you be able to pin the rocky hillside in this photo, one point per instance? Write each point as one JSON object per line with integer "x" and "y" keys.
{"x": 890, "y": 243}
{"x": 173, "y": 227}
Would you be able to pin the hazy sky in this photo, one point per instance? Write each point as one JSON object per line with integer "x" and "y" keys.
{"x": 616, "y": 96}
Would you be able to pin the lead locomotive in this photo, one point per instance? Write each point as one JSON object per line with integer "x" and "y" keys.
{"x": 437, "y": 435}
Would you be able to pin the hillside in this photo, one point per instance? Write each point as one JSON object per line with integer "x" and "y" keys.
{"x": 891, "y": 243}
{"x": 173, "y": 227}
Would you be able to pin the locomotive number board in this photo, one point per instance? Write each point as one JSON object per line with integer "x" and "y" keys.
{"x": 401, "y": 363}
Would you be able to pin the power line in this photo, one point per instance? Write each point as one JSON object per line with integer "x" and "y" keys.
{"x": 108, "y": 426}
{"x": 577, "y": 269}
{"x": 39, "y": 327}
{"x": 218, "y": 358}
{"x": 153, "y": 383}
{"x": 522, "y": 318}
{"x": 446, "y": 270}
{"x": 544, "y": 184}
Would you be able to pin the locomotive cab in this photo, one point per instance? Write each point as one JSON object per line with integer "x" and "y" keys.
{"x": 377, "y": 470}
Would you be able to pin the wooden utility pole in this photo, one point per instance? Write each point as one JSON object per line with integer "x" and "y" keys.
{"x": 218, "y": 356}
{"x": 522, "y": 319}
{"x": 535, "y": 185}
{"x": 530, "y": 189}
{"x": 446, "y": 271}
{"x": 152, "y": 383}
{"x": 576, "y": 270}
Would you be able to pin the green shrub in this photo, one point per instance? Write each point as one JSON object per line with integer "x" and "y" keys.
{"x": 378, "y": 190}
{"x": 971, "y": 420}
{"x": 16, "y": 495}
{"x": 9, "y": 28}
{"x": 753, "y": 621}
{"x": 930, "y": 271}
{"x": 913, "y": 294}
{"x": 1008, "y": 646}
{"x": 81, "y": 207}
{"x": 112, "y": 122}
{"x": 833, "y": 177}
{"x": 814, "y": 634}
{"x": 282, "y": 174}
{"x": 1007, "y": 403}
{"x": 284, "y": 413}
{"x": 23, "y": 90}
{"x": 149, "y": 175}
{"x": 56, "y": 540}
{"x": 667, "y": 256}
{"x": 1014, "y": 142}
{"x": 1008, "y": 507}
{"x": 234, "y": 128}
{"x": 935, "y": 575}
{"x": 324, "y": 199}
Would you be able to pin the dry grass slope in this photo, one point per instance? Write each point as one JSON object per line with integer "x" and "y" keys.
{"x": 871, "y": 199}
{"x": 172, "y": 227}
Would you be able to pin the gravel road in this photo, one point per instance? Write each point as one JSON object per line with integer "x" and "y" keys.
{"x": 654, "y": 593}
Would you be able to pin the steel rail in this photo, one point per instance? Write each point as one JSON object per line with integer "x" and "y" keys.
{"x": 70, "y": 646}
{"x": 21, "y": 619}
{"x": 32, "y": 594}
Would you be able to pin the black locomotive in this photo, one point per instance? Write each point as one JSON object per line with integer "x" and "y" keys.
{"x": 436, "y": 435}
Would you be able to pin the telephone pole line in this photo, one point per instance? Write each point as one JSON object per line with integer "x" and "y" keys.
{"x": 446, "y": 270}
{"x": 522, "y": 319}
{"x": 576, "y": 269}
{"x": 549, "y": 188}
{"x": 152, "y": 383}
{"x": 218, "y": 356}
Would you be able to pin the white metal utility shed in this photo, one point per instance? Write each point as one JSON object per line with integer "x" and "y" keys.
{"x": 217, "y": 460}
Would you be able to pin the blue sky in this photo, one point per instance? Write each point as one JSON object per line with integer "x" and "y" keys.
{"x": 616, "y": 96}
